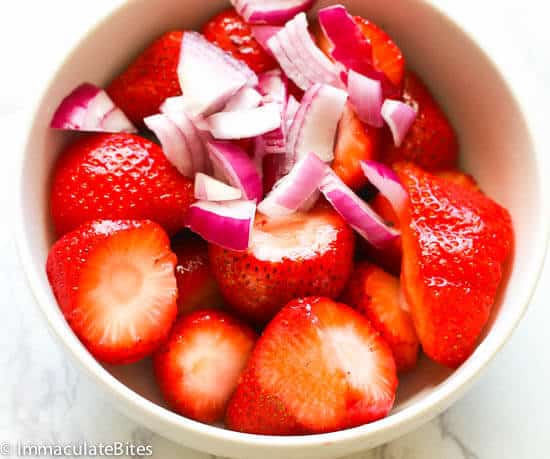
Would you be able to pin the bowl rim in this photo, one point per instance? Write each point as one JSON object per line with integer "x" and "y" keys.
{"x": 406, "y": 419}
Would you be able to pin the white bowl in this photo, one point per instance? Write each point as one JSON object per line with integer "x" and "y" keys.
{"x": 496, "y": 147}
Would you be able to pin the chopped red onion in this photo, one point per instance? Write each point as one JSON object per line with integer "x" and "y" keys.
{"x": 227, "y": 224}
{"x": 208, "y": 76}
{"x": 245, "y": 124}
{"x": 357, "y": 213}
{"x": 273, "y": 86}
{"x": 270, "y": 11}
{"x": 234, "y": 165}
{"x": 366, "y": 96}
{"x": 245, "y": 99}
{"x": 314, "y": 126}
{"x": 294, "y": 189}
{"x": 89, "y": 108}
{"x": 386, "y": 181}
{"x": 292, "y": 106}
{"x": 262, "y": 34}
{"x": 400, "y": 117}
{"x": 209, "y": 189}
{"x": 299, "y": 57}
{"x": 173, "y": 141}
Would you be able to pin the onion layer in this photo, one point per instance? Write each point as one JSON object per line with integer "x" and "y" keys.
{"x": 365, "y": 94}
{"x": 270, "y": 11}
{"x": 209, "y": 189}
{"x": 245, "y": 99}
{"x": 400, "y": 117}
{"x": 386, "y": 181}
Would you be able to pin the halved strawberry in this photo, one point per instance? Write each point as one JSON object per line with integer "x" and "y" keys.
{"x": 355, "y": 142}
{"x": 197, "y": 288}
{"x": 115, "y": 284}
{"x": 455, "y": 241}
{"x": 377, "y": 295}
{"x": 319, "y": 367}
{"x": 459, "y": 178}
{"x": 150, "y": 79}
{"x": 198, "y": 367}
{"x": 289, "y": 257}
{"x": 233, "y": 34}
{"x": 431, "y": 142}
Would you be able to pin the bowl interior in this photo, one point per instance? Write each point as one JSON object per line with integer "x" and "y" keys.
{"x": 496, "y": 148}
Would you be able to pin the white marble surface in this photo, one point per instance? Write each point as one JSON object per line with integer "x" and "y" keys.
{"x": 43, "y": 398}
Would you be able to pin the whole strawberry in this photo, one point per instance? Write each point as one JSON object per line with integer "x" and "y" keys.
{"x": 149, "y": 80}
{"x": 117, "y": 176}
{"x": 115, "y": 284}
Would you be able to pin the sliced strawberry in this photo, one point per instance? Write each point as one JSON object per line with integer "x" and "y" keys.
{"x": 455, "y": 242}
{"x": 231, "y": 33}
{"x": 198, "y": 367}
{"x": 197, "y": 288}
{"x": 355, "y": 142}
{"x": 115, "y": 284}
{"x": 431, "y": 142}
{"x": 150, "y": 79}
{"x": 459, "y": 178}
{"x": 377, "y": 295}
{"x": 117, "y": 176}
{"x": 289, "y": 257}
{"x": 319, "y": 367}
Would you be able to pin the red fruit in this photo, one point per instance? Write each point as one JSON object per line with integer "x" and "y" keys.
{"x": 290, "y": 257}
{"x": 431, "y": 142}
{"x": 318, "y": 367}
{"x": 197, "y": 288}
{"x": 115, "y": 284}
{"x": 150, "y": 79}
{"x": 231, "y": 33}
{"x": 377, "y": 295}
{"x": 455, "y": 242}
{"x": 198, "y": 367}
{"x": 459, "y": 178}
{"x": 117, "y": 176}
{"x": 355, "y": 142}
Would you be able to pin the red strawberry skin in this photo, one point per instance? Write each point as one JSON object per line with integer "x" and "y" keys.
{"x": 231, "y": 33}
{"x": 431, "y": 142}
{"x": 198, "y": 367}
{"x": 296, "y": 383}
{"x": 376, "y": 295}
{"x": 459, "y": 178}
{"x": 257, "y": 288}
{"x": 455, "y": 241}
{"x": 117, "y": 176}
{"x": 72, "y": 269}
{"x": 197, "y": 287}
{"x": 150, "y": 79}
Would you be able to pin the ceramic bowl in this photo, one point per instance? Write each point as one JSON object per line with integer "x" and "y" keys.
{"x": 497, "y": 148}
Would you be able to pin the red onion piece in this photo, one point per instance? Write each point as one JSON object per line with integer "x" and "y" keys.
{"x": 314, "y": 126}
{"x": 270, "y": 11}
{"x": 262, "y": 34}
{"x": 292, "y": 106}
{"x": 89, "y": 108}
{"x": 245, "y": 99}
{"x": 245, "y": 124}
{"x": 273, "y": 86}
{"x": 293, "y": 190}
{"x": 237, "y": 168}
{"x": 299, "y": 57}
{"x": 386, "y": 181}
{"x": 227, "y": 224}
{"x": 366, "y": 96}
{"x": 357, "y": 213}
{"x": 173, "y": 141}
{"x": 350, "y": 48}
{"x": 208, "y": 76}
{"x": 209, "y": 189}
{"x": 400, "y": 117}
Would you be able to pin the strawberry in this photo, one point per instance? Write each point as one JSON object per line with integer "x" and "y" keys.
{"x": 431, "y": 142}
{"x": 115, "y": 284}
{"x": 117, "y": 176}
{"x": 377, "y": 295}
{"x": 289, "y": 257}
{"x": 231, "y": 33}
{"x": 197, "y": 288}
{"x": 455, "y": 241}
{"x": 150, "y": 79}
{"x": 198, "y": 367}
{"x": 460, "y": 178}
{"x": 318, "y": 367}
{"x": 355, "y": 142}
